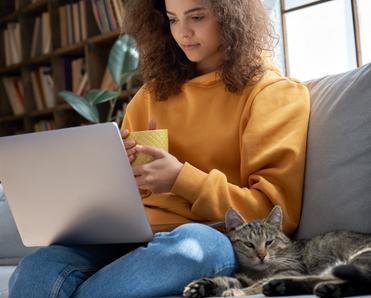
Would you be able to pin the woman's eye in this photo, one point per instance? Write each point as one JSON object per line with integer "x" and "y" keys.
{"x": 269, "y": 242}
{"x": 172, "y": 21}
{"x": 198, "y": 18}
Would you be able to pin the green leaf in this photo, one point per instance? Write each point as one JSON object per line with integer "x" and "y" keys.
{"x": 126, "y": 77}
{"x": 97, "y": 96}
{"x": 123, "y": 59}
{"x": 81, "y": 105}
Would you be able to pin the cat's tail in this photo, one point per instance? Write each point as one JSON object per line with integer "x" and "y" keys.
{"x": 352, "y": 273}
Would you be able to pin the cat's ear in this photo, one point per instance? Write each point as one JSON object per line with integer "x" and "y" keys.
{"x": 232, "y": 219}
{"x": 275, "y": 217}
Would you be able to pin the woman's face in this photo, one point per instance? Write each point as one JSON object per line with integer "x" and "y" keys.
{"x": 196, "y": 31}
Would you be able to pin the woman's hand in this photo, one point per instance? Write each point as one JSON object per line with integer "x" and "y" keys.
{"x": 158, "y": 175}
{"x": 129, "y": 146}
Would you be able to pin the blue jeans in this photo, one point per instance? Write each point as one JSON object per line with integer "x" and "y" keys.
{"x": 161, "y": 268}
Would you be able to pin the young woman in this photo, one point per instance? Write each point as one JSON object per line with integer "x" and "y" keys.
{"x": 237, "y": 136}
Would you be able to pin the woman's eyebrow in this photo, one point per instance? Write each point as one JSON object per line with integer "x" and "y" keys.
{"x": 188, "y": 11}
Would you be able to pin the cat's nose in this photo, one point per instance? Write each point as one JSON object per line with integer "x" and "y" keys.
{"x": 261, "y": 255}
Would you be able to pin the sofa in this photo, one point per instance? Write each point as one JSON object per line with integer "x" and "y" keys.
{"x": 337, "y": 185}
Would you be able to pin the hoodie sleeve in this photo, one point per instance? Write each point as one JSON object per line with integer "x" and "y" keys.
{"x": 272, "y": 153}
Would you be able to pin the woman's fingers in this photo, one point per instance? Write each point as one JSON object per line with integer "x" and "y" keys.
{"x": 129, "y": 144}
{"x": 156, "y": 153}
{"x": 124, "y": 133}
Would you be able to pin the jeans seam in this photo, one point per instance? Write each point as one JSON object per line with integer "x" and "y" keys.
{"x": 64, "y": 274}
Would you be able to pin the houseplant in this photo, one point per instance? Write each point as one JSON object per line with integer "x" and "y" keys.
{"x": 123, "y": 62}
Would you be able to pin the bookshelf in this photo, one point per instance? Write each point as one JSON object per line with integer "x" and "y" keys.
{"x": 38, "y": 63}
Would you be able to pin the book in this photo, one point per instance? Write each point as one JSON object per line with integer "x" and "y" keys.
{"x": 83, "y": 20}
{"x": 78, "y": 70}
{"x": 37, "y": 92}
{"x": 14, "y": 91}
{"x": 13, "y": 35}
{"x": 121, "y": 9}
{"x": 117, "y": 13}
{"x": 12, "y": 47}
{"x": 70, "y": 34}
{"x": 17, "y": 5}
{"x": 110, "y": 15}
{"x": 63, "y": 26}
{"x": 36, "y": 38}
{"x": 47, "y": 85}
{"x": 17, "y": 34}
{"x": 8, "y": 60}
{"x": 104, "y": 17}
{"x": 17, "y": 82}
{"x": 46, "y": 33}
{"x": 96, "y": 15}
{"x": 76, "y": 22}
{"x": 44, "y": 125}
{"x": 84, "y": 85}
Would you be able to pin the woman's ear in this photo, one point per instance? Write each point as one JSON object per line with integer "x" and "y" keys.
{"x": 232, "y": 219}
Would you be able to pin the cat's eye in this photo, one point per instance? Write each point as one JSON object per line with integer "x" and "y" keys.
{"x": 269, "y": 242}
{"x": 249, "y": 244}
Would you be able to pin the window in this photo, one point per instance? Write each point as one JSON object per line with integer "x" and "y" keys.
{"x": 322, "y": 37}
{"x": 295, "y": 3}
{"x": 274, "y": 10}
{"x": 364, "y": 12}
{"x": 320, "y": 40}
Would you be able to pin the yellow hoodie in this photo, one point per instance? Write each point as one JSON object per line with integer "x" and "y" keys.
{"x": 244, "y": 151}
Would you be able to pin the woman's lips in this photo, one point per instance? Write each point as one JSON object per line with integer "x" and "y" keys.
{"x": 190, "y": 46}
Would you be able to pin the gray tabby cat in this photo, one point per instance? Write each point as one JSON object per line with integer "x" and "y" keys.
{"x": 335, "y": 264}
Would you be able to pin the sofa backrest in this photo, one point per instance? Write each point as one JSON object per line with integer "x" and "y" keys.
{"x": 337, "y": 187}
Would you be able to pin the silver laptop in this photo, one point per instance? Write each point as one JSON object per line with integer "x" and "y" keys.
{"x": 72, "y": 186}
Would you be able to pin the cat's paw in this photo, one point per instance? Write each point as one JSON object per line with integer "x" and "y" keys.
{"x": 203, "y": 287}
{"x": 275, "y": 287}
{"x": 233, "y": 292}
{"x": 327, "y": 290}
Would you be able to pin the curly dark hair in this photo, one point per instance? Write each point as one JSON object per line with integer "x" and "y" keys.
{"x": 246, "y": 33}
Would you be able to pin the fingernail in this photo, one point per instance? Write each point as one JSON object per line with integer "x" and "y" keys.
{"x": 130, "y": 142}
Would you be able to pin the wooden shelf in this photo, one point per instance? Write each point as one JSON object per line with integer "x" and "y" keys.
{"x": 107, "y": 37}
{"x": 13, "y": 69}
{"x": 94, "y": 47}
{"x": 71, "y": 49}
{"x": 10, "y": 18}
{"x": 42, "y": 113}
{"x": 39, "y": 60}
{"x": 37, "y": 7}
{"x": 12, "y": 118}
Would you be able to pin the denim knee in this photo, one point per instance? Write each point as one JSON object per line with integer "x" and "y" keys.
{"x": 27, "y": 270}
{"x": 43, "y": 273}
{"x": 201, "y": 241}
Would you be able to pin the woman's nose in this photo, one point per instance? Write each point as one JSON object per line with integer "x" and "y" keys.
{"x": 185, "y": 31}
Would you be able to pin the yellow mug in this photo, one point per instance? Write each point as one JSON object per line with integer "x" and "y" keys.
{"x": 152, "y": 137}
